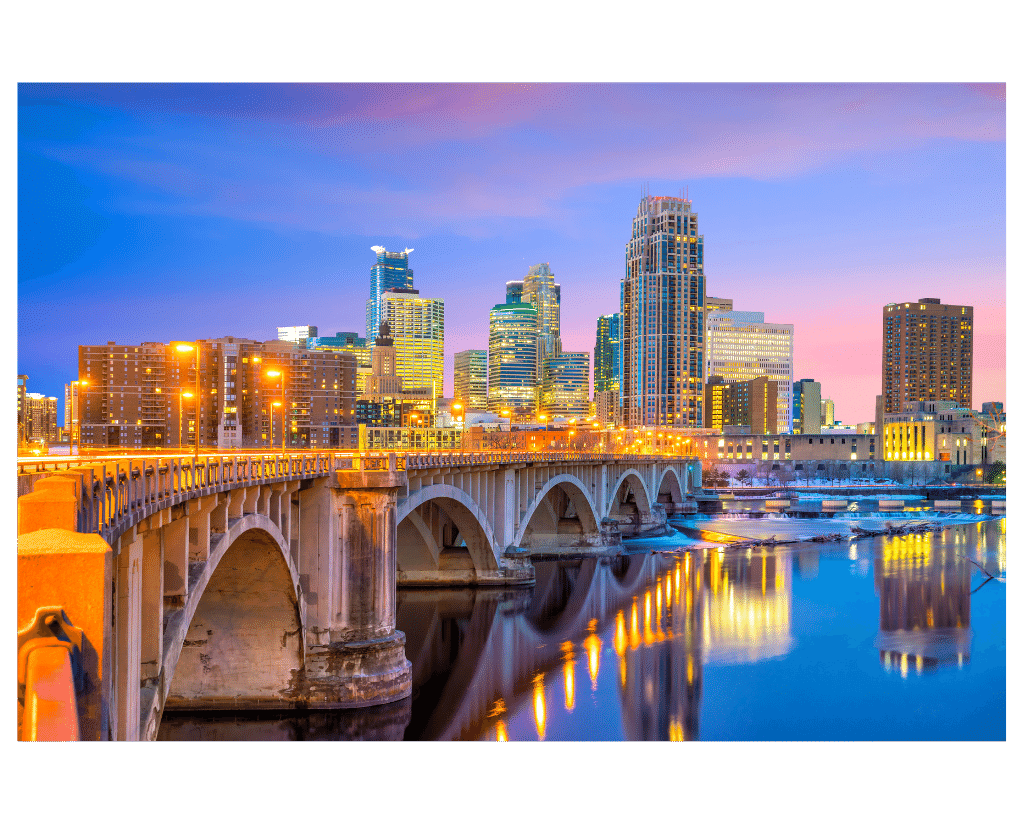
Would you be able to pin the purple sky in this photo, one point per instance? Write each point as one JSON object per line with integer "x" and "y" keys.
{"x": 182, "y": 211}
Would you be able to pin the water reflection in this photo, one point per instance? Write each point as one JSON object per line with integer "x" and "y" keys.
{"x": 650, "y": 629}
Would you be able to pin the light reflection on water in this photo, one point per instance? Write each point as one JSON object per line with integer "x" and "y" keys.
{"x": 884, "y": 638}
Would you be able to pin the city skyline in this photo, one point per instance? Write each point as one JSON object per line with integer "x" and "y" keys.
{"x": 818, "y": 204}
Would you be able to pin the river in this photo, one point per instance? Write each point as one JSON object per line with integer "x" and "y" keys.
{"x": 684, "y": 638}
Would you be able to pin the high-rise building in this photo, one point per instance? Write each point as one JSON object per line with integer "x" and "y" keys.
{"x": 541, "y": 292}
{"x": 347, "y": 342}
{"x": 741, "y": 346}
{"x": 514, "y": 291}
{"x": 296, "y": 334}
{"x": 391, "y": 271}
{"x": 806, "y": 407}
{"x": 71, "y": 411}
{"x": 717, "y": 304}
{"x": 608, "y": 353}
{"x": 828, "y": 413}
{"x": 417, "y": 326}
{"x": 927, "y": 353}
{"x": 471, "y": 378}
{"x": 40, "y": 418}
{"x": 512, "y": 358}
{"x": 662, "y": 302}
{"x": 144, "y": 396}
{"x": 565, "y": 386}
{"x": 752, "y": 403}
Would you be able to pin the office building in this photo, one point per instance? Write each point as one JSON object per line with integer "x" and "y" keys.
{"x": 806, "y": 396}
{"x": 296, "y": 334}
{"x": 662, "y": 305}
{"x": 608, "y": 354}
{"x": 543, "y": 294}
{"x": 145, "y": 395}
{"x": 39, "y": 418}
{"x": 512, "y": 358}
{"x": 717, "y": 304}
{"x": 741, "y": 346}
{"x": 391, "y": 271}
{"x": 565, "y": 386}
{"x": 514, "y": 291}
{"x": 417, "y": 327}
{"x": 349, "y": 342}
{"x": 927, "y": 353}
{"x": 471, "y": 379}
{"x": 828, "y": 413}
{"x": 71, "y": 411}
{"x": 752, "y": 404}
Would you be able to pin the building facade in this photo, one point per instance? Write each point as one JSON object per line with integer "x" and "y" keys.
{"x": 806, "y": 407}
{"x": 471, "y": 379}
{"x": 608, "y": 353}
{"x": 662, "y": 307}
{"x": 565, "y": 386}
{"x": 145, "y": 396}
{"x": 927, "y": 353}
{"x": 349, "y": 342}
{"x": 391, "y": 271}
{"x": 544, "y": 295}
{"x": 39, "y": 414}
{"x": 22, "y": 406}
{"x": 752, "y": 404}
{"x": 512, "y": 358}
{"x": 417, "y": 326}
{"x": 741, "y": 346}
{"x": 298, "y": 335}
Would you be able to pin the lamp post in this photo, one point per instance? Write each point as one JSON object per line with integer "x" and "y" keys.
{"x": 181, "y": 396}
{"x": 507, "y": 413}
{"x": 272, "y": 405}
{"x": 413, "y": 417}
{"x": 457, "y": 409}
{"x": 278, "y": 373}
{"x": 78, "y": 418}
{"x": 188, "y": 347}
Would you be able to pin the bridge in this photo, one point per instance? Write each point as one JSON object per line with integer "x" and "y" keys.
{"x": 259, "y": 582}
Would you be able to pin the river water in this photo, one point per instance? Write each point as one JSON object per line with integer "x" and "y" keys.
{"x": 894, "y": 637}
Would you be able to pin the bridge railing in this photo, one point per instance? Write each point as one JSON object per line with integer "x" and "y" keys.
{"x": 115, "y": 495}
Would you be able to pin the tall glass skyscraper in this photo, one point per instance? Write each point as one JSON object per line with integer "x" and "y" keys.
{"x": 512, "y": 358}
{"x": 608, "y": 353}
{"x": 565, "y": 386}
{"x": 662, "y": 302}
{"x": 389, "y": 272}
{"x": 541, "y": 292}
{"x": 471, "y": 378}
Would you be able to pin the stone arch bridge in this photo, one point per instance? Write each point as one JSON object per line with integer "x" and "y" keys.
{"x": 252, "y": 581}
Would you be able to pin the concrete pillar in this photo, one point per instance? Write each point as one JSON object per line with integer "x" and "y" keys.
{"x": 199, "y": 511}
{"x": 128, "y": 641}
{"x": 364, "y": 661}
{"x": 152, "y": 607}
{"x": 176, "y": 562}
{"x": 57, "y": 567}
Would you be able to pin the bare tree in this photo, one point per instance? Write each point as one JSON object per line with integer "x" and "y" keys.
{"x": 786, "y": 477}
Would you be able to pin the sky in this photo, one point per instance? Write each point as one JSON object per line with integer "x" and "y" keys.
{"x": 158, "y": 212}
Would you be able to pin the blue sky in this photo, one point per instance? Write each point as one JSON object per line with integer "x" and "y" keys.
{"x": 159, "y": 212}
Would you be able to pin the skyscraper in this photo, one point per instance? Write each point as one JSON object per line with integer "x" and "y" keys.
{"x": 927, "y": 353}
{"x": 662, "y": 300}
{"x": 471, "y": 378}
{"x": 806, "y": 407}
{"x": 512, "y": 358}
{"x": 389, "y": 272}
{"x": 565, "y": 386}
{"x": 417, "y": 326}
{"x": 608, "y": 353}
{"x": 541, "y": 292}
{"x": 741, "y": 346}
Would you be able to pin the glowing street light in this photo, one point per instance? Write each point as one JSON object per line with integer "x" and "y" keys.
{"x": 181, "y": 395}
{"x": 283, "y": 403}
{"x": 183, "y": 348}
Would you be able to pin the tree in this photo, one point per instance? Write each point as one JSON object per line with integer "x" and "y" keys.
{"x": 744, "y": 477}
{"x": 724, "y": 477}
{"x": 786, "y": 477}
{"x": 996, "y": 473}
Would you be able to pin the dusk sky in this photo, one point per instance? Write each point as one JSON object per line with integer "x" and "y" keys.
{"x": 175, "y": 212}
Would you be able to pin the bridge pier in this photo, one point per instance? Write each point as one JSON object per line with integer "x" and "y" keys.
{"x": 354, "y": 655}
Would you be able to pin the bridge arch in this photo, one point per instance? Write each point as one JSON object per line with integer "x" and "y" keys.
{"x": 629, "y": 500}
{"x": 670, "y": 489}
{"x": 562, "y": 513}
{"x": 240, "y": 639}
{"x": 441, "y": 528}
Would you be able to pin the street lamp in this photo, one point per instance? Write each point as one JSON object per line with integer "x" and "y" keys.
{"x": 272, "y": 405}
{"x": 413, "y": 417}
{"x": 182, "y": 348}
{"x": 78, "y": 418}
{"x": 278, "y": 373}
{"x": 181, "y": 396}
{"x": 457, "y": 408}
